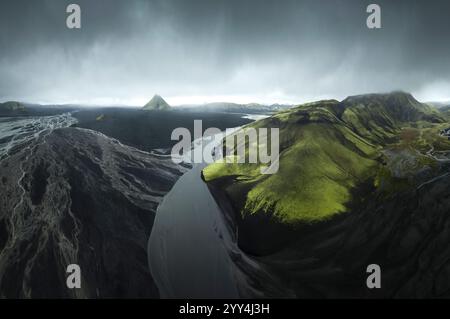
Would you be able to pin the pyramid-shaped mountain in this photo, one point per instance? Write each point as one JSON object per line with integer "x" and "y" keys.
{"x": 157, "y": 103}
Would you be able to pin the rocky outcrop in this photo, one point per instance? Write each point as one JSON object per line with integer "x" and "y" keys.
{"x": 75, "y": 196}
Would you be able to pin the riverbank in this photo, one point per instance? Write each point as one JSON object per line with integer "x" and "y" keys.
{"x": 192, "y": 250}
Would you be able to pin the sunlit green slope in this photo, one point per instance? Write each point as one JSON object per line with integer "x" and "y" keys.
{"x": 327, "y": 149}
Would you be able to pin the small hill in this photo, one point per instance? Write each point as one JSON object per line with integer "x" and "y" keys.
{"x": 157, "y": 103}
{"x": 12, "y": 108}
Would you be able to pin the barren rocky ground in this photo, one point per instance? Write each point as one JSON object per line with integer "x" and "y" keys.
{"x": 75, "y": 196}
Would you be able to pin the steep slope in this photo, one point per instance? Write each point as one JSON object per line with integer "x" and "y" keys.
{"x": 406, "y": 234}
{"x": 331, "y": 155}
{"x": 77, "y": 196}
{"x": 445, "y": 111}
{"x": 377, "y": 117}
{"x": 157, "y": 103}
{"x": 320, "y": 156}
{"x": 361, "y": 181}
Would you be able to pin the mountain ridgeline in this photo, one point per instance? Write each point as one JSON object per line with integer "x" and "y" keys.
{"x": 326, "y": 146}
{"x": 249, "y": 108}
{"x": 159, "y": 104}
{"x": 379, "y": 116}
{"x": 350, "y": 173}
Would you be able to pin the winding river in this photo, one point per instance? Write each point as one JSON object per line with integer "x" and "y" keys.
{"x": 16, "y": 131}
{"x": 191, "y": 250}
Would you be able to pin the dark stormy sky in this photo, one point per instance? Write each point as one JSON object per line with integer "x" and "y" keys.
{"x": 193, "y": 51}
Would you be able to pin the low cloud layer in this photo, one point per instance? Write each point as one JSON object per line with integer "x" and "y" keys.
{"x": 192, "y": 51}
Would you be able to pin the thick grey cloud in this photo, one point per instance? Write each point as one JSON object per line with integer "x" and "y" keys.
{"x": 202, "y": 50}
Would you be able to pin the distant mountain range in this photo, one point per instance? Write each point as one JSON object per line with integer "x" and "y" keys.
{"x": 13, "y": 108}
{"x": 158, "y": 103}
{"x": 237, "y": 108}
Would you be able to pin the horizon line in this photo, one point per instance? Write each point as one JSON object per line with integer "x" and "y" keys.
{"x": 195, "y": 100}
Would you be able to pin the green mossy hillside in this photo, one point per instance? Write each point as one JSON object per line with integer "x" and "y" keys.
{"x": 328, "y": 149}
{"x": 320, "y": 162}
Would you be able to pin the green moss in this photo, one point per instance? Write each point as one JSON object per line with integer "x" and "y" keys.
{"x": 328, "y": 149}
{"x": 316, "y": 175}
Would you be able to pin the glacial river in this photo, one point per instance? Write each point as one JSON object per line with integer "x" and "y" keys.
{"x": 190, "y": 249}
{"x": 16, "y": 131}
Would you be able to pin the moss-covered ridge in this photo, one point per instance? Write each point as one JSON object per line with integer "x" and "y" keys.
{"x": 327, "y": 149}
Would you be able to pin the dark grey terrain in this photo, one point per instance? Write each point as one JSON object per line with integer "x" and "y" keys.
{"x": 76, "y": 196}
{"x": 151, "y": 129}
{"x": 408, "y": 235}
